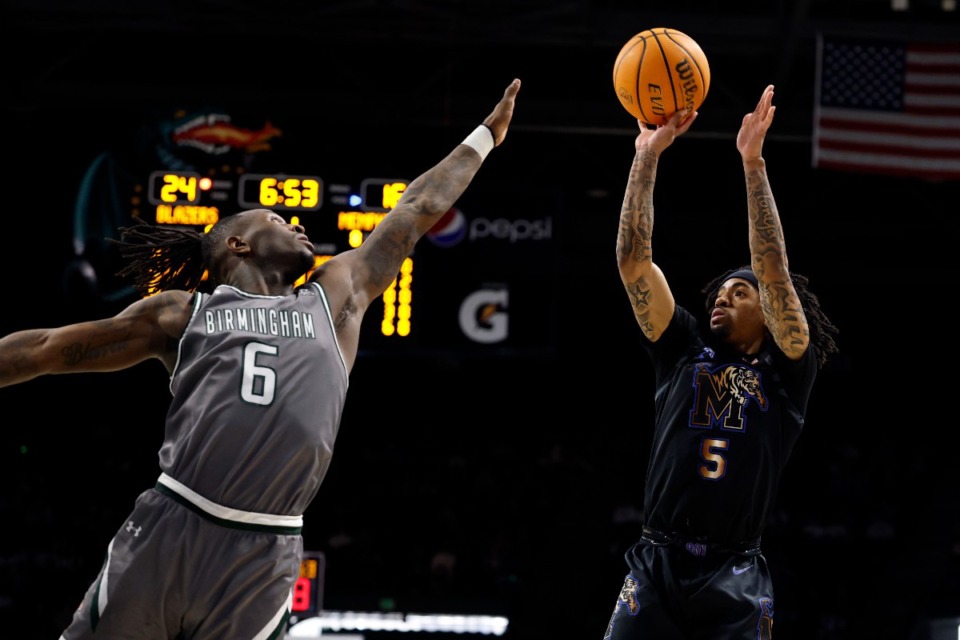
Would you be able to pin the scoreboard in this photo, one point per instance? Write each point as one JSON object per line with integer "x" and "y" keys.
{"x": 475, "y": 284}
{"x": 191, "y": 198}
{"x": 280, "y": 192}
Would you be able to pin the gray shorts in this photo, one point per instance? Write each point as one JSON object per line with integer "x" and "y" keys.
{"x": 176, "y": 570}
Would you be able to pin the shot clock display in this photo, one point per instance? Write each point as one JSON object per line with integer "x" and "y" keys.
{"x": 175, "y": 187}
{"x": 281, "y": 192}
{"x": 308, "y": 590}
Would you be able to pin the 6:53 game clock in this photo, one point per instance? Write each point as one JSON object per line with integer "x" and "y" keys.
{"x": 280, "y": 192}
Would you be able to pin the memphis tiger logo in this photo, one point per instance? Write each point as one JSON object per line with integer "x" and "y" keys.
{"x": 627, "y": 599}
{"x": 765, "y": 626}
{"x": 723, "y": 394}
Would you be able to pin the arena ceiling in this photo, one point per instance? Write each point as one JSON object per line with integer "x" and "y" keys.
{"x": 409, "y": 61}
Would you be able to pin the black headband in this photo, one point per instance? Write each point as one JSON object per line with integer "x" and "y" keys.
{"x": 746, "y": 274}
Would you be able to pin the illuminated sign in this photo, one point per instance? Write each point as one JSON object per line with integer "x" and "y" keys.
{"x": 281, "y": 192}
{"x": 192, "y": 199}
{"x": 175, "y": 187}
{"x": 308, "y": 589}
{"x": 381, "y": 195}
{"x": 190, "y": 215}
{"x": 397, "y": 309}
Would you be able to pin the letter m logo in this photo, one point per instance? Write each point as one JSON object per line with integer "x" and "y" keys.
{"x": 721, "y": 395}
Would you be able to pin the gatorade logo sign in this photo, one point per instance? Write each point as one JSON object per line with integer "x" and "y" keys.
{"x": 483, "y": 316}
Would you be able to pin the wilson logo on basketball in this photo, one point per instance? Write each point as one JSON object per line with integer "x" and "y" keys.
{"x": 688, "y": 79}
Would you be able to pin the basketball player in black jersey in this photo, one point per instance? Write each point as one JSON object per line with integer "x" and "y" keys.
{"x": 731, "y": 394}
{"x": 259, "y": 371}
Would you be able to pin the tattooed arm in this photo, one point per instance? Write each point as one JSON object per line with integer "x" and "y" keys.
{"x": 650, "y": 296}
{"x": 353, "y": 279}
{"x": 148, "y": 328}
{"x": 782, "y": 311}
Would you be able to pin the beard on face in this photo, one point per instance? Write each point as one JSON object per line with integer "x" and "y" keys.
{"x": 720, "y": 331}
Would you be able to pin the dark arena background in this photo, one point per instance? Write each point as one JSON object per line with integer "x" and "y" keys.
{"x": 490, "y": 463}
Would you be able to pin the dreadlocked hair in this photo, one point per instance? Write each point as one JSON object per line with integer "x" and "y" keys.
{"x": 161, "y": 258}
{"x": 822, "y": 329}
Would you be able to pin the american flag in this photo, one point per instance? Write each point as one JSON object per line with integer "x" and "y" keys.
{"x": 888, "y": 107}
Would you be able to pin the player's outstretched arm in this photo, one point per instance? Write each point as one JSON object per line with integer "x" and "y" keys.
{"x": 430, "y": 196}
{"x": 353, "y": 279}
{"x": 148, "y": 328}
{"x": 782, "y": 311}
{"x": 650, "y": 296}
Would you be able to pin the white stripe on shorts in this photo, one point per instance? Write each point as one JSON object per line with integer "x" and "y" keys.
{"x": 234, "y": 515}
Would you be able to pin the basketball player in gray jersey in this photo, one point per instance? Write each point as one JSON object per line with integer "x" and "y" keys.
{"x": 259, "y": 373}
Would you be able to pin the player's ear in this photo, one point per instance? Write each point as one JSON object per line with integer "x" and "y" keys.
{"x": 238, "y": 245}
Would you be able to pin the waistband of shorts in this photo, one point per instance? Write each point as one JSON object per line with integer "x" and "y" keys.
{"x": 225, "y": 516}
{"x": 700, "y": 547}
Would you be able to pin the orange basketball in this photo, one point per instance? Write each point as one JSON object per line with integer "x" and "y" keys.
{"x": 658, "y": 72}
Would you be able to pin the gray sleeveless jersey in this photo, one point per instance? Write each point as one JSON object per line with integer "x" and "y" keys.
{"x": 258, "y": 391}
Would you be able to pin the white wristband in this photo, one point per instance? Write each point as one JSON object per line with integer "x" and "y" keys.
{"x": 480, "y": 140}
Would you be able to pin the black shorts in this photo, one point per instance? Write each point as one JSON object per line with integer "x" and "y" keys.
{"x": 682, "y": 590}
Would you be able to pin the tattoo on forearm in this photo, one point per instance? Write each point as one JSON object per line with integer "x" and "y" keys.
{"x": 786, "y": 319}
{"x": 79, "y": 352}
{"x": 429, "y": 196}
{"x": 636, "y": 216}
{"x": 624, "y": 237}
{"x": 780, "y": 301}
{"x": 766, "y": 232}
{"x": 395, "y": 241}
{"x": 17, "y": 364}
